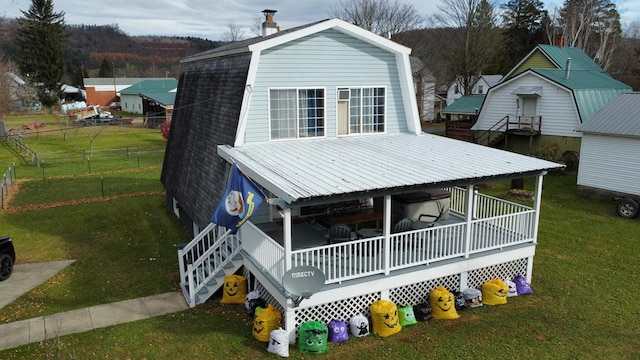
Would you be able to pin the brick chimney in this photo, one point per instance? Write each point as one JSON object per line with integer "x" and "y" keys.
{"x": 559, "y": 40}
{"x": 269, "y": 27}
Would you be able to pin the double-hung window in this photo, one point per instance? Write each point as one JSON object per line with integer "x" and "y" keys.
{"x": 366, "y": 110}
{"x": 296, "y": 113}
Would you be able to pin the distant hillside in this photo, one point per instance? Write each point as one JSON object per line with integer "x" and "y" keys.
{"x": 132, "y": 56}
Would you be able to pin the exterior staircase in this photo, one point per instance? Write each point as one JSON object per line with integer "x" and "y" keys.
{"x": 205, "y": 261}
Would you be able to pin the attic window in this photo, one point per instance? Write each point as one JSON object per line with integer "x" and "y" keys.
{"x": 296, "y": 113}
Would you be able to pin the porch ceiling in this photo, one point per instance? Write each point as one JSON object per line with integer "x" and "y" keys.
{"x": 314, "y": 170}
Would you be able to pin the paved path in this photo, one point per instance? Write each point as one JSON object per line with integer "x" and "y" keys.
{"x": 48, "y": 327}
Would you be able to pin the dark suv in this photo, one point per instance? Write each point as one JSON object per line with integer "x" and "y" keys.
{"x": 7, "y": 257}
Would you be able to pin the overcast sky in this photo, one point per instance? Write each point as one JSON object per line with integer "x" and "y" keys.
{"x": 210, "y": 18}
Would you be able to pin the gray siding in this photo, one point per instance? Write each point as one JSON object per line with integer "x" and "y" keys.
{"x": 328, "y": 60}
{"x": 556, "y": 106}
{"x": 207, "y": 109}
{"x": 610, "y": 163}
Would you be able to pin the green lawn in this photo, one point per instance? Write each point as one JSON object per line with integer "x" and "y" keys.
{"x": 585, "y": 282}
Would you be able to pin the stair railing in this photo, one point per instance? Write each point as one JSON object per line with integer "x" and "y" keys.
{"x": 203, "y": 258}
{"x": 497, "y": 127}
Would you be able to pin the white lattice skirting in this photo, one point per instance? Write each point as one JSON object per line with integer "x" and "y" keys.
{"x": 410, "y": 294}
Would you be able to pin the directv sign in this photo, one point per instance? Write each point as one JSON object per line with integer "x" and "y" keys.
{"x": 302, "y": 282}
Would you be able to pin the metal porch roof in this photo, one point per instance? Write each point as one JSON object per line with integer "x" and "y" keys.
{"x": 301, "y": 171}
{"x": 468, "y": 105}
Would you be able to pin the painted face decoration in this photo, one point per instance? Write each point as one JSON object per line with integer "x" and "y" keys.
{"x": 253, "y": 301}
{"x": 234, "y": 290}
{"x": 312, "y": 338}
{"x": 422, "y": 312}
{"x": 459, "y": 300}
{"x": 494, "y": 292}
{"x": 513, "y": 291}
{"x": 265, "y": 320}
{"x": 359, "y": 325}
{"x": 407, "y": 316}
{"x": 472, "y": 297}
{"x": 442, "y": 304}
{"x": 384, "y": 316}
{"x": 279, "y": 342}
{"x": 338, "y": 331}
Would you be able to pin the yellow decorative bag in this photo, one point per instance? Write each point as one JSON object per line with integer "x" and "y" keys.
{"x": 384, "y": 318}
{"x": 265, "y": 320}
{"x": 234, "y": 290}
{"x": 494, "y": 292}
{"x": 443, "y": 304}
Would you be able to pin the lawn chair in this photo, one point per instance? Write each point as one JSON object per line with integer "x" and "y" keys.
{"x": 339, "y": 233}
{"x": 405, "y": 224}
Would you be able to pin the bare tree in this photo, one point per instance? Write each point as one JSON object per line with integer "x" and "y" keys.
{"x": 256, "y": 28}
{"x": 383, "y": 17}
{"x": 477, "y": 43}
{"x": 233, "y": 33}
{"x": 593, "y": 26}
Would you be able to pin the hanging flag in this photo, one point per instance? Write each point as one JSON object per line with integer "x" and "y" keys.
{"x": 240, "y": 200}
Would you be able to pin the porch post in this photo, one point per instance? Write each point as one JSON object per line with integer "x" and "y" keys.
{"x": 468, "y": 216}
{"x": 536, "y": 206}
{"x": 286, "y": 232}
{"x": 386, "y": 228}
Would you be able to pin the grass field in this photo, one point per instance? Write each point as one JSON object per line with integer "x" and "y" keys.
{"x": 585, "y": 278}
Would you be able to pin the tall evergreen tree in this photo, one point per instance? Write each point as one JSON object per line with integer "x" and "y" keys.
{"x": 106, "y": 69}
{"x": 39, "y": 50}
{"x": 522, "y": 21}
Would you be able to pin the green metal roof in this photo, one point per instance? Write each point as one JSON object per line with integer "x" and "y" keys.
{"x": 151, "y": 86}
{"x": 467, "y": 105}
{"x": 579, "y": 59}
{"x": 162, "y": 98}
{"x": 591, "y": 89}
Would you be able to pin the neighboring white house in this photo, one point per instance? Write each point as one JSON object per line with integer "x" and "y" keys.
{"x": 323, "y": 118}
{"x": 610, "y": 150}
{"x": 481, "y": 86}
{"x": 425, "y": 85}
{"x": 546, "y": 96}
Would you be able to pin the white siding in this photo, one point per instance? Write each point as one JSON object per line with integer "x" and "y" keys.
{"x": 556, "y": 106}
{"x": 131, "y": 103}
{"x": 329, "y": 59}
{"x": 610, "y": 163}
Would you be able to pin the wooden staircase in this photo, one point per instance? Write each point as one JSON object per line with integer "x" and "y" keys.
{"x": 510, "y": 125}
{"x": 205, "y": 261}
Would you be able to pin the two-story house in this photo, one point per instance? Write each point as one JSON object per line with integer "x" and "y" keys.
{"x": 323, "y": 118}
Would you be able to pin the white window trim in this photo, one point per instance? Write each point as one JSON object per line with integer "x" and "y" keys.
{"x": 386, "y": 106}
{"x": 296, "y": 88}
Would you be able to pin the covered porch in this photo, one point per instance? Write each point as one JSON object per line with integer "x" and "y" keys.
{"x": 476, "y": 224}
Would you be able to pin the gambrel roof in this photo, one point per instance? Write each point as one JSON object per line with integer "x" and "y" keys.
{"x": 210, "y": 112}
{"x": 619, "y": 117}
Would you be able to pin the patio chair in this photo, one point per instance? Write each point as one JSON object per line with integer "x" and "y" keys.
{"x": 404, "y": 224}
{"x": 340, "y": 233}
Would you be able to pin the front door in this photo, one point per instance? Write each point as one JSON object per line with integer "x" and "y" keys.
{"x": 529, "y": 107}
{"x": 343, "y": 112}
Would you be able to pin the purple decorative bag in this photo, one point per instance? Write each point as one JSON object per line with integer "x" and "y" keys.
{"x": 338, "y": 331}
{"x": 522, "y": 286}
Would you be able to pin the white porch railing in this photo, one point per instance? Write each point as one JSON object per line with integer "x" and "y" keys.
{"x": 263, "y": 249}
{"x": 495, "y": 224}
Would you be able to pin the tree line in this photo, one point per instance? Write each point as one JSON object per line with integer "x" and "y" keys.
{"x": 464, "y": 39}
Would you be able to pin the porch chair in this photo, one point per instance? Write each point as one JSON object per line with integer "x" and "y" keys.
{"x": 404, "y": 224}
{"x": 340, "y": 233}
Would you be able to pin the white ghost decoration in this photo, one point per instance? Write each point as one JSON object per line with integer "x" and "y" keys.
{"x": 279, "y": 342}
{"x": 359, "y": 325}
